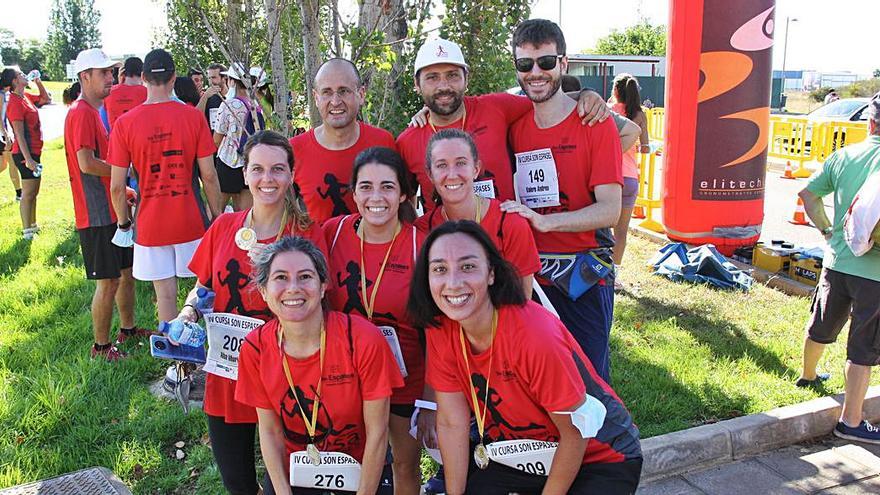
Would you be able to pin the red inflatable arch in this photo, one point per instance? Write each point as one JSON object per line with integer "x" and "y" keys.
{"x": 717, "y": 119}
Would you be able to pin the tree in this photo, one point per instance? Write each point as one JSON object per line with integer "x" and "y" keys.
{"x": 10, "y": 49}
{"x": 641, "y": 39}
{"x": 73, "y": 26}
{"x": 33, "y": 55}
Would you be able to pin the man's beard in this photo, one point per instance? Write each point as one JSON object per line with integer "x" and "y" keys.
{"x": 431, "y": 103}
{"x": 555, "y": 84}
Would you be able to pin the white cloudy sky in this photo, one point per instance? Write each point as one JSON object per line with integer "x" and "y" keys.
{"x": 827, "y": 36}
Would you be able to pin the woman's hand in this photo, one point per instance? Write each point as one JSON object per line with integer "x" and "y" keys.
{"x": 31, "y": 164}
{"x": 427, "y": 428}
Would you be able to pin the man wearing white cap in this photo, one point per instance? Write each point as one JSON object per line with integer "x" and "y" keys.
{"x": 85, "y": 140}
{"x": 235, "y": 123}
{"x": 441, "y": 77}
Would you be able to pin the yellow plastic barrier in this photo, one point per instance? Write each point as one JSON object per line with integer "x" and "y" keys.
{"x": 656, "y": 122}
{"x": 788, "y": 139}
{"x": 800, "y": 141}
{"x": 648, "y": 200}
{"x": 829, "y": 137}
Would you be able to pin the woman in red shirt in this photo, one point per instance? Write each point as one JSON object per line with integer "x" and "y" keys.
{"x": 545, "y": 421}
{"x": 453, "y": 164}
{"x": 372, "y": 256}
{"x": 222, "y": 264}
{"x": 21, "y": 111}
{"x": 320, "y": 380}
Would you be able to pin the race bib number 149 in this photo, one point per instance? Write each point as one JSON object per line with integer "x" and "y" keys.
{"x": 537, "y": 182}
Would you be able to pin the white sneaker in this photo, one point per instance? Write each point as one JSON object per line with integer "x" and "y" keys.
{"x": 28, "y": 234}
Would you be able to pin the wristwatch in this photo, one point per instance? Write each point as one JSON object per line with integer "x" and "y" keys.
{"x": 124, "y": 226}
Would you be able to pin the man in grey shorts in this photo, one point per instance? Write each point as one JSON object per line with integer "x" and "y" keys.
{"x": 849, "y": 287}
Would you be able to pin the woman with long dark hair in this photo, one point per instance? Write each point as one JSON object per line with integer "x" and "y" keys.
{"x": 372, "y": 256}
{"x": 629, "y": 104}
{"x": 22, "y": 114}
{"x": 517, "y": 368}
{"x": 222, "y": 264}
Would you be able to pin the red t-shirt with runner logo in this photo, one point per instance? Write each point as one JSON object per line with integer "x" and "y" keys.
{"x": 83, "y": 129}
{"x": 345, "y": 293}
{"x": 538, "y": 368}
{"x": 224, "y": 268}
{"x": 487, "y": 119}
{"x": 585, "y": 157}
{"x": 162, "y": 142}
{"x": 323, "y": 175}
{"x": 358, "y": 366}
{"x": 511, "y": 234}
{"x": 122, "y": 98}
{"x": 25, "y": 109}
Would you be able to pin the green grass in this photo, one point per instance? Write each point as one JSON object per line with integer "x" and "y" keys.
{"x": 55, "y": 89}
{"x": 682, "y": 355}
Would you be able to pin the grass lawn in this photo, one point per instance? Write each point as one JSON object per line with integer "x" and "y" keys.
{"x": 682, "y": 355}
{"x": 55, "y": 89}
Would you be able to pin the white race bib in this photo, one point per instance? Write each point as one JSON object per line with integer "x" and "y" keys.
{"x": 485, "y": 188}
{"x": 537, "y": 183}
{"x": 213, "y": 113}
{"x": 529, "y": 456}
{"x": 391, "y": 337}
{"x": 226, "y": 333}
{"x": 337, "y": 471}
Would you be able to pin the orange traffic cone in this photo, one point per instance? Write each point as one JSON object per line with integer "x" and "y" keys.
{"x": 638, "y": 211}
{"x": 788, "y": 174}
{"x": 800, "y": 215}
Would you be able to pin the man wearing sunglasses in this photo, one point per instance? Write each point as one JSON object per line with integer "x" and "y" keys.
{"x": 568, "y": 181}
{"x": 441, "y": 78}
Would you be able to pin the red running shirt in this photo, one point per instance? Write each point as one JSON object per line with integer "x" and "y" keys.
{"x": 224, "y": 268}
{"x": 162, "y": 142}
{"x": 122, "y": 98}
{"x": 25, "y": 109}
{"x": 357, "y": 367}
{"x": 511, "y": 234}
{"x": 537, "y": 368}
{"x": 345, "y": 293}
{"x": 585, "y": 157}
{"x": 487, "y": 119}
{"x": 323, "y": 175}
{"x": 83, "y": 129}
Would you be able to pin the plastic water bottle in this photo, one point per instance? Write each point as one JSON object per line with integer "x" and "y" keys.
{"x": 184, "y": 332}
{"x": 38, "y": 171}
{"x": 34, "y": 74}
{"x": 205, "y": 301}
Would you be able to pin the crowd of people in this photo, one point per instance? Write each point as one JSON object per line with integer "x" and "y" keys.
{"x": 479, "y": 328}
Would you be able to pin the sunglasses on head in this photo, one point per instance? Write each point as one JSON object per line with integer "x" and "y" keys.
{"x": 547, "y": 62}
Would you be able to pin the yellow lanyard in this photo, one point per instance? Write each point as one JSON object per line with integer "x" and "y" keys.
{"x": 463, "y": 120}
{"x": 249, "y": 222}
{"x": 370, "y": 306}
{"x": 480, "y": 417}
{"x": 477, "y": 218}
{"x": 310, "y": 425}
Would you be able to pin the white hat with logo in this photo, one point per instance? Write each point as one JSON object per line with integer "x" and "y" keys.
{"x": 439, "y": 51}
{"x": 236, "y": 71}
{"x": 93, "y": 58}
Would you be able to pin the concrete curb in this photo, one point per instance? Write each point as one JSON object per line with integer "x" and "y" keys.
{"x": 774, "y": 280}
{"x": 709, "y": 445}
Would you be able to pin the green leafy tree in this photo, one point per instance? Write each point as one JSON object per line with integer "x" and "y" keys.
{"x": 33, "y": 55}
{"x": 10, "y": 51}
{"x": 73, "y": 26}
{"x": 641, "y": 39}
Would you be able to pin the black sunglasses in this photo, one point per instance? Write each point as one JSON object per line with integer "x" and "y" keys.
{"x": 547, "y": 62}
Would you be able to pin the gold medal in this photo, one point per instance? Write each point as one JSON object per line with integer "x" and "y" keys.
{"x": 245, "y": 238}
{"x": 481, "y": 456}
{"x": 314, "y": 454}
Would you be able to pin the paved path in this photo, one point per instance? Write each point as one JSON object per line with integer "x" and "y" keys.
{"x": 826, "y": 466}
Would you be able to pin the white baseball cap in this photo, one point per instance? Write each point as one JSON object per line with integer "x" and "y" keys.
{"x": 236, "y": 71}
{"x": 93, "y": 58}
{"x": 260, "y": 74}
{"x": 439, "y": 51}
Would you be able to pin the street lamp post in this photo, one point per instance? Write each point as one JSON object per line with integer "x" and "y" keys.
{"x": 784, "y": 54}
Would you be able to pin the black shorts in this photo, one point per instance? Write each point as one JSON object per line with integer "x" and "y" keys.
{"x": 231, "y": 179}
{"x": 102, "y": 258}
{"x": 26, "y": 173}
{"x": 403, "y": 410}
{"x": 618, "y": 478}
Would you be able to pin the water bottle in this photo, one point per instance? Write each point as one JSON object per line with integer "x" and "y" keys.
{"x": 184, "y": 332}
{"x": 205, "y": 302}
{"x": 34, "y": 74}
{"x": 38, "y": 171}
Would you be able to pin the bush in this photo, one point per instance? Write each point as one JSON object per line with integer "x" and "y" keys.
{"x": 861, "y": 89}
{"x": 819, "y": 94}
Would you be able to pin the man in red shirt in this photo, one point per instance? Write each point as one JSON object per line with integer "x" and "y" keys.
{"x": 163, "y": 140}
{"x": 85, "y": 143}
{"x": 129, "y": 93}
{"x": 325, "y": 154}
{"x": 568, "y": 180}
{"x": 441, "y": 77}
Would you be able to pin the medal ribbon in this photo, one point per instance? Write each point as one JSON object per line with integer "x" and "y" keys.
{"x": 463, "y": 120}
{"x": 370, "y": 305}
{"x": 249, "y": 223}
{"x": 477, "y": 217}
{"x": 310, "y": 425}
{"x": 480, "y": 417}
